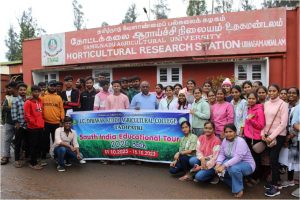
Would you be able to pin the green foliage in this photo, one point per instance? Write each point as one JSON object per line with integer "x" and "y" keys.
{"x": 104, "y": 24}
{"x": 78, "y": 15}
{"x": 247, "y": 5}
{"x": 13, "y": 45}
{"x": 196, "y": 8}
{"x": 279, "y": 3}
{"x": 223, "y": 6}
{"x": 218, "y": 80}
{"x": 130, "y": 15}
{"x": 160, "y": 10}
{"x": 28, "y": 29}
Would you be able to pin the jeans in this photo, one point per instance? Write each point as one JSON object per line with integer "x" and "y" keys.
{"x": 198, "y": 131}
{"x": 34, "y": 136}
{"x": 64, "y": 153}
{"x": 274, "y": 156}
{"x": 181, "y": 165}
{"x": 7, "y": 139}
{"x": 204, "y": 174}
{"x": 49, "y": 129}
{"x": 234, "y": 176}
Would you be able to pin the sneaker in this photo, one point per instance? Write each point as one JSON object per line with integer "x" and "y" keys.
{"x": 4, "y": 160}
{"x": 267, "y": 186}
{"x": 138, "y": 162}
{"x": 104, "y": 162}
{"x": 43, "y": 163}
{"x": 82, "y": 161}
{"x": 60, "y": 168}
{"x": 18, "y": 164}
{"x": 37, "y": 166}
{"x": 214, "y": 180}
{"x": 68, "y": 164}
{"x": 296, "y": 193}
{"x": 285, "y": 184}
{"x": 272, "y": 192}
{"x": 123, "y": 163}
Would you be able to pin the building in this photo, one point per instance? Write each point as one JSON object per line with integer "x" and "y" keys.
{"x": 254, "y": 45}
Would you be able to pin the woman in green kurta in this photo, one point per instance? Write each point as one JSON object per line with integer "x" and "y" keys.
{"x": 187, "y": 149}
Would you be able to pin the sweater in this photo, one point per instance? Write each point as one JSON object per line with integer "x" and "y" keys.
{"x": 202, "y": 113}
{"x": 254, "y": 126}
{"x": 221, "y": 115}
{"x": 33, "y": 113}
{"x": 208, "y": 147}
{"x": 233, "y": 152}
{"x": 53, "y": 109}
{"x": 280, "y": 122}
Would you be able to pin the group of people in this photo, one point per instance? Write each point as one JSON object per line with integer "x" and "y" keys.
{"x": 226, "y": 124}
{"x": 237, "y": 135}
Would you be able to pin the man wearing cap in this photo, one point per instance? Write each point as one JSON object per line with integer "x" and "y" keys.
{"x": 53, "y": 113}
{"x": 227, "y": 85}
{"x": 135, "y": 87}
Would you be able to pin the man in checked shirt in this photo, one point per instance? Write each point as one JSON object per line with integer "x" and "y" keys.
{"x": 17, "y": 114}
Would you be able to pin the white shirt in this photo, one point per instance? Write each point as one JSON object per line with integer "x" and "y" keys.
{"x": 165, "y": 104}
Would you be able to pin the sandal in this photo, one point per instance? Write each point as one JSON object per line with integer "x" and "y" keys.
{"x": 18, "y": 164}
{"x": 239, "y": 195}
{"x": 186, "y": 177}
{"x": 4, "y": 160}
{"x": 37, "y": 166}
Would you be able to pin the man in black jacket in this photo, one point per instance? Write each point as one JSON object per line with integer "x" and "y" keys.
{"x": 70, "y": 96}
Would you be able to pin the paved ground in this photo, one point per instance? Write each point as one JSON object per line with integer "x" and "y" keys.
{"x": 94, "y": 180}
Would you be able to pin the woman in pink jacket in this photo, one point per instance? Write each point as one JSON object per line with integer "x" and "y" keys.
{"x": 276, "y": 114}
{"x": 254, "y": 123}
{"x": 222, "y": 113}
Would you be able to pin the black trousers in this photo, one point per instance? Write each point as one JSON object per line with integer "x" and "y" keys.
{"x": 49, "y": 129}
{"x": 257, "y": 158}
{"x": 274, "y": 156}
{"x": 35, "y": 138}
{"x": 19, "y": 139}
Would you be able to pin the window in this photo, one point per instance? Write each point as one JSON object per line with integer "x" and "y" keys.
{"x": 51, "y": 76}
{"x": 169, "y": 75}
{"x": 107, "y": 72}
{"x": 255, "y": 71}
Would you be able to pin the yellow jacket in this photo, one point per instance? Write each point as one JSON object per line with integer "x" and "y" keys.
{"x": 53, "y": 108}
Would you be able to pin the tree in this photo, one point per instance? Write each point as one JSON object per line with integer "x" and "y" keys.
{"x": 104, "y": 24}
{"x": 196, "y": 8}
{"x": 278, "y": 3}
{"x": 28, "y": 29}
{"x": 247, "y": 5}
{"x": 160, "y": 10}
{"x": 13, "y": 45}
{"x": 130, "y": 15}
{"x": 78, "y": 15}
{"x": 223, "y": 6}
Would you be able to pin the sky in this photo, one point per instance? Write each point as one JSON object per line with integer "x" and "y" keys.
{"x": 56, "y": 16}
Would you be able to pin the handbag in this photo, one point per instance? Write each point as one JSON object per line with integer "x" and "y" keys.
{"x": 261, "y": 146}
